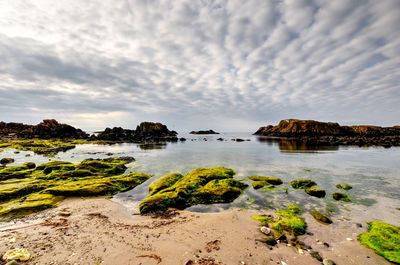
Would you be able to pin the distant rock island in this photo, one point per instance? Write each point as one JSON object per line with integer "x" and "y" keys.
{"x": 204, "y": 132}
{"x": 333, "y": 133}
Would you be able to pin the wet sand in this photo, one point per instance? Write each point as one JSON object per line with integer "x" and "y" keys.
{"x": 101, "y": 231}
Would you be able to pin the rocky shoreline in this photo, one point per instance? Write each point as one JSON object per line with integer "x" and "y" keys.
{"x": 52, "y": 129}
{"x": 329, "y": 133}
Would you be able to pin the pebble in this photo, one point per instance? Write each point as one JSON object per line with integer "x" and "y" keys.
{"x": 328, "y": 262}
{"x": 283, "y": 263}
{"x": 265, "y": 230}
{"x": 349, "y": 239}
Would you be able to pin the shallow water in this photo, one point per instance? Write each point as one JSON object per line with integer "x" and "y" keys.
{"x": 373, "y": 172}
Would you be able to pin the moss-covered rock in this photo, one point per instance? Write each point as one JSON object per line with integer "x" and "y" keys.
{"x": 258, "y": 184}
{"x": 289, "y": 221}
{"x": 384, "y": 239}
{"x": 27, "y": 188}
{"x": 338, "y": 196}
{"x": 316, "y": 192}
{"x": 320, "y": 217}
{"x": 164, "y": 182}
{"x": 16, "y": 172}
{"x": 302, "y": 183}
{"x": 98, "y": 186}
{"x": 344, "y": 186}
{"x": 268, "y": 179}
{"x": 199, "y": 186}
{"x": 28, "y": 204}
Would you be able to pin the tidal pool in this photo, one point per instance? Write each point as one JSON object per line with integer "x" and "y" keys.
{"x": 373, "y": 172}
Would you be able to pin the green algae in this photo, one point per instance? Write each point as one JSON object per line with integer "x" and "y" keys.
{"x": 384, "y": 239}
{"x": 23, "y": 187}
{"x": 269, "y": 182}
{"x": 289, "y": 221}
{"x": 268, "y": 179}
{"x": 302, "y": 183}
{"x": 315, "y": 192}
{"x": 344, "y": 186}
{"x": 286, "y": 222}
{"x": 341, "y": 197}
{"x": 199, "y": 186}
{"x": 164, "y": 182}
{"x": 48, "y": 147}
{"x": 263, "y": 219}
{"x": 98, "y": 186}
{"x": 28, "y": 204}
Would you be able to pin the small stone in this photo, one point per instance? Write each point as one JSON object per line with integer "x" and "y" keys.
{"x": 265, "y": 230}
{"x": 316, "y": 255}
{"x": 12, "y": 240}
{"x": 349, "y": 239}
{"x": 328, "y": 262}
{"x": 283, "y": 263}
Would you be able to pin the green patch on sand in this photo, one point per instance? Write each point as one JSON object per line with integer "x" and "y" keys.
{"x": 384, "y": 239}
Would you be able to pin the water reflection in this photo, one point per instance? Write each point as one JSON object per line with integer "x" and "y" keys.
{"x": 297, "y": 146}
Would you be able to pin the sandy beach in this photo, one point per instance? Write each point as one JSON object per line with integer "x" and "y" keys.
{"x": 101, "y": 231}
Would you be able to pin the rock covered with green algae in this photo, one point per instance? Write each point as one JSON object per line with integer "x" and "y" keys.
{"x": 286, "y": 221}
{"x": 344, "y": 186}
{"x": 32, "y": 188}
{"x": 199, "y": 186}
{"x": 384, "y": 239}
{"x": 315, "y": 192}
{"x": 341, "y": 197}
{"x": 259, "y": 182}
{"x": 302, "y": 183}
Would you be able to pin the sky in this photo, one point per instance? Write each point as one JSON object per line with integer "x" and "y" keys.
{"x": 199, "y": 64}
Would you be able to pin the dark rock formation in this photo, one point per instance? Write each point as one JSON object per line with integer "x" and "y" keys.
{"x": 145, "y": 132}
{"x": 204, "y": 132}
{"x": 47, "y": 129}
{"x": 332, "y": 133}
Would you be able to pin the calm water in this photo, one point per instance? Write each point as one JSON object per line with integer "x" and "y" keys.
{"x": 373, "y": 172}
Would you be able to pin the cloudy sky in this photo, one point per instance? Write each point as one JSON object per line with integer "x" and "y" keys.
{"x": 199, "y": 64}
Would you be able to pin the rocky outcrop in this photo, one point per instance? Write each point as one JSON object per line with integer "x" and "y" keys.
{"x": 204, "y": 132}
{"x": 333, "y": 133}
{"x": 145, "y": 132}
{"x": 47, "y": 129}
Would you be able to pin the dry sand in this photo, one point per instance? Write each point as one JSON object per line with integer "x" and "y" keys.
{"x": 101, "y": 231}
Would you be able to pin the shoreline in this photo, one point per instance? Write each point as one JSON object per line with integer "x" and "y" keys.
{"x": 102, "y": 231}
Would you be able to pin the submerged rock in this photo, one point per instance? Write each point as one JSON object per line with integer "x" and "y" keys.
{"x": 341, "y": 197}
{"x": 316, "y": 192}
{"x": 7, "y": 160}
{"x": 199, "y": 186}
{"x": 267, "y": 179}
{"x": 320, "y": 217}
{"x": 344, "y": 186}
{"x": 302, "y": 183}
{"x": 384, "y": 239}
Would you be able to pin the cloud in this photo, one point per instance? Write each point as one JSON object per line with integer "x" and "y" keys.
{"x": 230, "y": 65}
